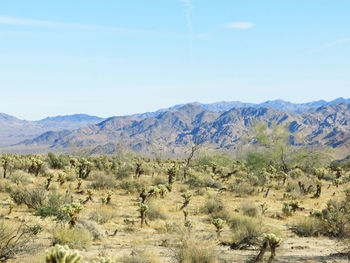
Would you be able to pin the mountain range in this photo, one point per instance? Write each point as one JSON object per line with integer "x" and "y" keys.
{"x": 172, "y": 131}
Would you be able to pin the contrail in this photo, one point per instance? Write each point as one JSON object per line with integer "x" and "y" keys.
{"x": 189, "y": 7}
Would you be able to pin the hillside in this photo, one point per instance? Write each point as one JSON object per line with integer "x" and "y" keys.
{"x": 171, "y": 132}
{"x": 13, "y": 130}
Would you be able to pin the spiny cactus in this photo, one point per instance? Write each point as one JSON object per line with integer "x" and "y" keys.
{"x": 80, "y": 181}
{"x": 139, "y": 170}
{"x": 186, "y": 212}
{"x": 109, "y": 197}
{"x": 270, "y": 240}
{"x": 6, "y": 160}
{"x": 84, "y": 168}
{"x": 171, "y": 177}
{"x": 72, "y": 210}
{"x": 61, "y": 178}
{"x": 316, "y": 213}
{"x": 163, "y": 191}
{"x": 189, "y": 225}
{"x": 89, "y": 197}
{"x": 36, "y": 165}
{"x": 263, "y": 208}
{"x": 318, "y": 189}
{"x": 143, "y": 209}
{"x": 337, "y": 182}
{"x": 104, "y": 260}
{"x": 289, "y": 208}
{"x": 219, "y": 224}
{"x": 48, "y": 181}
{"x": 274, "y": 242}
{"x": 320, "y": 173}
{"x": 187, "y": 198}
{"x": 62, "y": 254}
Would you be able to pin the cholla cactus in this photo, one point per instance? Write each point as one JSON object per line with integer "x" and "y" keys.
{"x": 35, "y": 166}
{"x": 89, "y": 197}
{"x": 163, "y": 191}
{"x": 109, "y": 197}
{"x": 80, "y": 181}
{"x": 337, "y": 182}
{"x": 104, "y": 200}
{"x": 84, "y": 168}
{"x": 213, "y": 167}
{"x": 187, "y": 198}
{"x": 318, "y": 189}
{"x": 61, "y": 178}
{"x": 143, "y": 209}
{"x": 6, "y": 160}
{"x": 104, "y": 260}
{"x": 274, "y": 242}
{"x": 72, "y": 210}
{"x": 48, "y": 181}
{"x": 320, "y": 173}
{"x": 62, "y": 254}
{"x": 339, "y": 172}
{"x": 171, "y": 177}
{"x": 263, "y": 208}
{"x": 219, "y": 224}
{"x": 289, "y": 208}
{"x": 153, "y": 191}
{"x": 139, "y": 170}
{"x": 186, "y": 212}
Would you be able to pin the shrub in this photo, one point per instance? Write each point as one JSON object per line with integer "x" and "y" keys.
{"x": 14, "y": 240}
{"x": 249, "y": 209}
{"x": 195, "y": 252}
{"x": 53, "y": 206}
{"x": 131, "y": 186}
{"x": 309, "y": 227}
{"x": 140, "y": 256}
{"x": 31, "y": 197}
{"x": 156, "y": 211}
{"x": 100, "y": 180}
{"x": 247, "y": 231}
{"x": 102, "y": 215}
{"x": 242, "y": 188}
{"x": 77, "y": 237}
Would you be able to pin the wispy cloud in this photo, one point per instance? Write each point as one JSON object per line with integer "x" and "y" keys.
{"x": 188, "y": 9}
{"x": 35, "y": 23}
{"x": 330, "y": 45}
{"x": 239, "y": 25}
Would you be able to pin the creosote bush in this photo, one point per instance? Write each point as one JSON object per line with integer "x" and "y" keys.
{"x": 78, "y": 238}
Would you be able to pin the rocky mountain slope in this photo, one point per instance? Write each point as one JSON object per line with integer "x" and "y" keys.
{"x": 172, "y": 131}
{"x": 13, "y": 130}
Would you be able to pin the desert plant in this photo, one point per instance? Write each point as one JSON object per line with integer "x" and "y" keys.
{"x": 171, "y": 177}
{"x": 14, "y": 240}
{"x": 36, "y": 165}
{"x": 143, "y": 209}
{"x": 72, "y": 210}
{"x": 48, "y": 181}
{"x": 84, "y": 167}
{"x": 61, "y": 178}
{"x": 78, "y": 237}
{"x": 80, "y": 181}
{"x": 6, "y": 161}
{"x": 219, "y": 224}
{"x": 273, "y": 242}
{"x": 100, "y": 181}
{"x": 31, "y": 197}
{"x": 187, "y": 198}
{"x": 62, "y": 254}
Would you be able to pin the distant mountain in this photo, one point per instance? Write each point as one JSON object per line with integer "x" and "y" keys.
{"x": 172, "y": 131}
{"x": 273, "y": 104}
{"x": 13, "y": 130}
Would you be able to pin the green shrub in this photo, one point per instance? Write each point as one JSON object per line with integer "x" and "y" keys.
{"x": 31, "y": 197}
{"x": 77, "y": 237}
{"x": 250, "y": 209}
{"x": 156, "y": 211}
{"x": 131, "y": 186}
{"x": 191, "y": 251}
{"x": 247, "y": 231}
{"x": 309, "y": 227}
{"x": 53, "y": 206}
{"x": 103, "y": 215}
{"x": 100, "y": 180}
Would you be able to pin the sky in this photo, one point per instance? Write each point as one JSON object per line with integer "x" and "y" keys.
{"x": 117, "y": 57}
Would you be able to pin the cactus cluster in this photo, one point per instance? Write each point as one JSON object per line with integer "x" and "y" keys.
{"x": 219, "y": 225}
{"x": 62, "y": 254}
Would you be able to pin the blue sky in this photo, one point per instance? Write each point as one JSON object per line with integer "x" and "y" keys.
{"x": 120, "y": 57}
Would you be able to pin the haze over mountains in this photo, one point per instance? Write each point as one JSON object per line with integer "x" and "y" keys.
{"x": 171, "y": 131}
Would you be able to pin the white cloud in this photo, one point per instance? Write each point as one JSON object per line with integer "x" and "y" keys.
{"x": 331, "y": 44}
{"x": 239, "y": 25}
